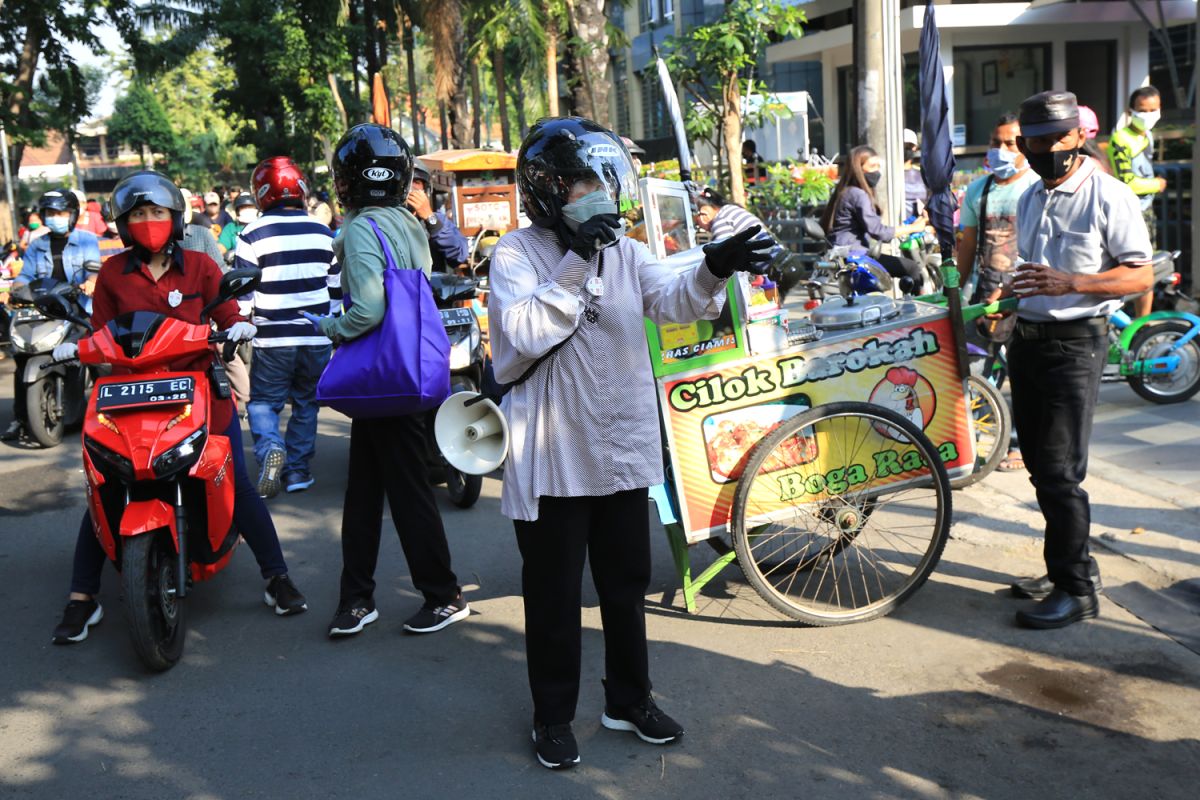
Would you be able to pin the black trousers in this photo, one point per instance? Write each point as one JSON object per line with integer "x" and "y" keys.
{"x": 613, "y": 533}
{"x": 1055, "y": 383}
{"x": 387, "y": 457}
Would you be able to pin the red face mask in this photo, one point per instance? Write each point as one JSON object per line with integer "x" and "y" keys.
{"x": 151, "y": 234}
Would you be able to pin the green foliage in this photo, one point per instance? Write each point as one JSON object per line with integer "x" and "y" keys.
{"x": 710, "y": 60}
{"x": 784, "y": 192}
{"x": 63, "y": 97}
{"x": 138, "y": 119}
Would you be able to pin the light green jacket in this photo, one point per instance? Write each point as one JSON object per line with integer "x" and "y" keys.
{"x": 358, "y": 251}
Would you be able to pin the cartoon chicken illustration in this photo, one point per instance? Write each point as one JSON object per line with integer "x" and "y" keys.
{"x": 901, "y": 395}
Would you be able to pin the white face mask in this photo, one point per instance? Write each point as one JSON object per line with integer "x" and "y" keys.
{"x": 1146, "y": 120}
{"x": 247, "y": 215}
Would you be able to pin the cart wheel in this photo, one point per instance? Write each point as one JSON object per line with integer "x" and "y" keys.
{"x": 838, "y": 539}
{"x": 993, "y": 429}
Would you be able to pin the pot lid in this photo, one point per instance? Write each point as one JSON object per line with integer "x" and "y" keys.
{"x": 870, "y": 309}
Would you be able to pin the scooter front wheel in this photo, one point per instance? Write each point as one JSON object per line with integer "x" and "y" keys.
{"x": 464, "y": 489}
{"x": 157, "y": 618}
{"x": 45, "y": 417}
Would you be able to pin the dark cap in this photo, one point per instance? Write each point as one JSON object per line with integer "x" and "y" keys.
{"x": 1049, "y": 112}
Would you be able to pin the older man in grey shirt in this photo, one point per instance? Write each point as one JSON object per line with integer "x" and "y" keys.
{"x": 1084, "y": 246}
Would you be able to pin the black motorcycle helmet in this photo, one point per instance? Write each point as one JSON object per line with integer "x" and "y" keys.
{"x": 561, "y": 151}
{"x": 60, "y": 200}
{"x": 372, "y": 166}
{"x": 243, "y": 200}
{"x": 422, "y": 174}
{"x": 146, "y": 188}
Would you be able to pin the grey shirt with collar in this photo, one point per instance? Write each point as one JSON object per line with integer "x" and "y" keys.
{"x": 1086, "y": 225}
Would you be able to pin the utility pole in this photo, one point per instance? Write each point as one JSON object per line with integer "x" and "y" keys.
{"x": 880, "y": 107}
{"x": 8, "y": 184}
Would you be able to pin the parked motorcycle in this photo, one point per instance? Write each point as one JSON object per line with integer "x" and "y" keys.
{"x": 453, "y": 295}
{"x": 55, "y": 397}
{"x": 159, "y": 483}
{"x": 1167, "y": 293}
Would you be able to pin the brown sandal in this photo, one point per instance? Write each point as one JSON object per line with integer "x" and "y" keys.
{"x": 1012, "y": 462}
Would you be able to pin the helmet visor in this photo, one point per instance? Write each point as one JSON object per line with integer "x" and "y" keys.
{"x": 573, "y": 166}
{"x": 140, "y": 190}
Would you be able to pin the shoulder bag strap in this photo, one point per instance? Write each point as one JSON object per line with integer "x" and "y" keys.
{"x": 387, "y": 251}
{"x": 987, "y": 188}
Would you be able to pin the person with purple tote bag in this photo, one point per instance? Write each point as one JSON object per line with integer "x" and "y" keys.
{"x": 372, "y": 171}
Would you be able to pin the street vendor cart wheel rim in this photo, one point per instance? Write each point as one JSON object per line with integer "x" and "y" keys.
{"x": 992, "y": 422}
{"x": 841, "y": 514}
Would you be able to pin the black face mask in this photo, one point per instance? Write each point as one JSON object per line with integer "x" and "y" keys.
{"x": 872, "y": 178}
{"x": 1053, "y": 165}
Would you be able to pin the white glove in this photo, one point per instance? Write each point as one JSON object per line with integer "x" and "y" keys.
{"x": 65, "y": 352}
{"x": 241, "y": 332}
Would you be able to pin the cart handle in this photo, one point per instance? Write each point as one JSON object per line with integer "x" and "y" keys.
{"x": 973, "y": 312}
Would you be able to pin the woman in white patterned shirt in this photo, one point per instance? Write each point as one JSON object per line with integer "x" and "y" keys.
{"x": 568, "y": 298}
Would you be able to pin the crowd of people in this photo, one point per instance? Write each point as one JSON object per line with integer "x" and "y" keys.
{"x": 567, "y": 301}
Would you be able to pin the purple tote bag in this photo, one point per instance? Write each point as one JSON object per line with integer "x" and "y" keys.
{"x": 401, "y": 366}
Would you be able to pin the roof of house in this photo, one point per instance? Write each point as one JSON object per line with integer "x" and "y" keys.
{"x": 55, "y": 151}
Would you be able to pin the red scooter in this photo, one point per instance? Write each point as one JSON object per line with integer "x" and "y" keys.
{"x": 159, "y": 482}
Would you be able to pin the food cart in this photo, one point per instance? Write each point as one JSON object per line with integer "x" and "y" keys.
{"x": 814, "y": 448}
{"x": 480, "y": 186}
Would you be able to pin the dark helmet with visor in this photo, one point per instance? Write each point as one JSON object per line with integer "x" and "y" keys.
{"x": 372, "y": 166}
{"x": 60, "y": 200}
{"x": 143, "y": 189}
{"x": 559, "y": 153}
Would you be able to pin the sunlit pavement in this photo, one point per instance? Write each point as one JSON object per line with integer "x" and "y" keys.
{"x": 943, "y": 699}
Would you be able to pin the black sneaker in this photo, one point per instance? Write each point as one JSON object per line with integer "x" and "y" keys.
{"x": 297, "y": 482}
{"x": 13, "y": 432}
{"x": 269, "y": 475}
{"x": 78, "y": 616}
{"x": 433, "y": 618}
{"x": 284, "y": 597}
{"x": 555, "y": 746}
{"x": 349, "y": 621}
{"x": 645, "y": 719}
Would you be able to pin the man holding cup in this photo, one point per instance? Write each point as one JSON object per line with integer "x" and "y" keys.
{"x": 1082, "y": 245}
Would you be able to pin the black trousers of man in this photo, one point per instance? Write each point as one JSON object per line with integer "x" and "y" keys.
{"x": 613, "y": 533}
{"x": 387, "y": 457}
{"x": 1055, "y": 383}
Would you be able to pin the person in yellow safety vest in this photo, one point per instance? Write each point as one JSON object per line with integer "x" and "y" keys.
{"x": 1131, "y": 154}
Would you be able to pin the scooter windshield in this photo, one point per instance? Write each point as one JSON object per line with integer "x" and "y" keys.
{"x": 133, "y": 331}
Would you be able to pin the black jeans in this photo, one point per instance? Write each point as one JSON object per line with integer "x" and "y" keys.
{"x": 612, "y": 532}
{"x": 387, "y": 456}
{"x": 898, "y": 268}
{"x": 250, "y": 516}
{"x": 1055, "y": 383}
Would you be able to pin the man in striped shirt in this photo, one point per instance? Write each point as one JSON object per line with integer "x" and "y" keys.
{"x": 295, "y": 253}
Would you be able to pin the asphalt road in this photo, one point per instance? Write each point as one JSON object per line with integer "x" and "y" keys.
{"x": 944, "y": 699}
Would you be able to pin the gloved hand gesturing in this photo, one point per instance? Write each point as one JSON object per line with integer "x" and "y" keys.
{"x": 65, "y": 352}
{"x": 738, "y": 253}
{"x": 240, "y": 332}
{"x": 315, "y": 319}
{"x": 594, "y": 235}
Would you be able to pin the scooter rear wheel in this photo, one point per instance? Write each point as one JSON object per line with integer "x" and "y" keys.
{"x": 157, "y": 618}
{"x": 1155, "y": 341}
{"x": 464, "y": 489}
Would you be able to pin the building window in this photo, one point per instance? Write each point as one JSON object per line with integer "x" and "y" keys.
{"x": 655, "y": 122}
{"x": 89, "y": 147}
{"x": 621, "y": 87}
{"x": 990, "y": 81}
{"x": 1183, "y": 49}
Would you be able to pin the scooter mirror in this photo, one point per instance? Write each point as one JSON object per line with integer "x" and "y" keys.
{"x": 235, "y": 283}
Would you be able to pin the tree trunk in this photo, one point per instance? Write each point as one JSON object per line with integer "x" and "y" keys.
{"x": 551, "y": 66}
{"x": 337, "y": 100}
{"x": 476, "y": 116}
{"x": 731, "y": 127}
{"x": 443, "y": 22}
{"x": 502, "y": 97}
{"x": 589, "y": 57}
{"x": 417, "y": 143}
{"x": 518, "y": 87}
{"x": 17, "y": 101}
{"x": 369, "y": 42}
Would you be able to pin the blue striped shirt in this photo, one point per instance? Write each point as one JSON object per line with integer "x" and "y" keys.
{"x": 299, "y": 273}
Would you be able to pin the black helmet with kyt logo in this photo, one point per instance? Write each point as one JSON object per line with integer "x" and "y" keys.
{"x": 146, "y": 188}
{"x": 372, "y": 166}
{"x": 562, "y": 151}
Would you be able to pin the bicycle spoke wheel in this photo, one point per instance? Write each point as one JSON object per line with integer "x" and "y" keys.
{"x": 993, "y": 429}
{"x": 841, "y": 513}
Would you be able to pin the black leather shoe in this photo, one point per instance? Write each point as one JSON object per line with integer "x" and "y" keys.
{"x": 1037, "y": 588}
{"x": 1059, "y": 610}
{"x": 13, "y": 432}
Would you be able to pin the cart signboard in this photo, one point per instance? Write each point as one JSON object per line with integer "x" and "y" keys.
{"x": 480, "y": 186}
{"x": 715, "y": 415}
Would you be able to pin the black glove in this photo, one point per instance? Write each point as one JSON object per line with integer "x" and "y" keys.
{"x": 739, "y": 253}
{"x": 594, "y": 235}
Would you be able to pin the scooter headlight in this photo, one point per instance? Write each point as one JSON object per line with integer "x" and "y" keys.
{"x": 51, "y": 338}
{"x": 109, "y": 461}
{"x": 18, "y": 340}
{"x": 182, "y": 455}
{"x": 463, "y": 343}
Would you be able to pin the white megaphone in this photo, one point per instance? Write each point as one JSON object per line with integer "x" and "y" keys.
{"x": 472, "y": 433}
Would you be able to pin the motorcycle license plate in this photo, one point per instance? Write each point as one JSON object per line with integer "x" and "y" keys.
{"x": 144, "y": 393}
{"x": 453, "y": 317}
